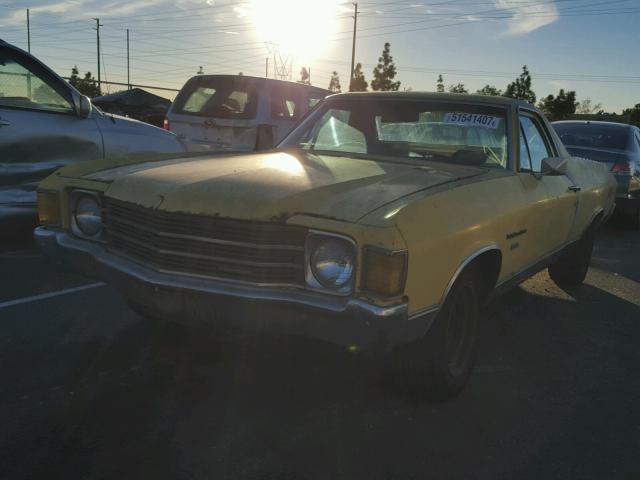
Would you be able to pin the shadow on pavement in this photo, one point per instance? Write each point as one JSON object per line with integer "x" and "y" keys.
{"x": 552, "y": 397}
{"x": 16, "y": 233}
{"x": 617, "y": 251}
{"x": 14, "y": 241}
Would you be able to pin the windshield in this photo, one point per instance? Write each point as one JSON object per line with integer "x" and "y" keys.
{"x": 590, "y": 135}
{"x": 218, "y": 97}
{"x": 406, "y": 129}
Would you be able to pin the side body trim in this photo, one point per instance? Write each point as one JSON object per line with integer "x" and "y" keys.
{"x": 431, "y": 310}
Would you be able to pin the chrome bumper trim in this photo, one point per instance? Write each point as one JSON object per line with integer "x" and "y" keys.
{"x": 344, "y": 321}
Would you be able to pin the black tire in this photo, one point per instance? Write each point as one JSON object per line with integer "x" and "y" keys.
{"x": 571, "y": 268}
{"x": 438, "y": 366}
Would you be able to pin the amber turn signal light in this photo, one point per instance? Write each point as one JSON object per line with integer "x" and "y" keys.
{"x": 384, "y": 272}
{"x": 49, "y": 208}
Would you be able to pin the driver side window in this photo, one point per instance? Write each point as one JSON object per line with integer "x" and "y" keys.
{"x": 22, "y": 88}
{"x": 537, "y": 146}
{"x": 285, "y": 104}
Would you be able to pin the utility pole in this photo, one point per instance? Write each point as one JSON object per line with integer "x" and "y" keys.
{"x": 128, "y": 77}
{"x": 28, "y": 50}
{"x": 28, "y": 33}
{"x": 266, "y": 66}
{"x": 98, "y": 50}
{"x": 353, "y": 47}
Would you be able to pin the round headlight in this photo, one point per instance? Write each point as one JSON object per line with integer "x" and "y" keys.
{"x": 88, "y": 216}
{"x": 332, "y": 263}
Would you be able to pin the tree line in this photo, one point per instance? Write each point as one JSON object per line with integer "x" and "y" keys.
{"x": 86, "y": 85}
{"x": 383, "y": 76}
{"x": 556, "y": 107}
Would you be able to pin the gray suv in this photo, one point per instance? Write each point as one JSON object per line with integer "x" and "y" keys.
{"x": 45, "y": 124}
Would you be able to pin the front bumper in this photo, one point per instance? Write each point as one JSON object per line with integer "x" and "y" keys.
{"x": 338, "y": 320}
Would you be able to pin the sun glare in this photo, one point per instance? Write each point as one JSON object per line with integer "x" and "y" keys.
{"x": 302, "y": 28}
{"x": 285, "y": 163}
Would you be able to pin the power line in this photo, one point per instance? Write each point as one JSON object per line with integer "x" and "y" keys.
{"x": 429, "y": 27}
{"x": 426, "y": 21}
{"x": 484, "y": 73}
{"x": 463, "y": 15}
{"x": 195, "y": 30}
{"x": 129, "y": 17}
{"x": 139, "y": 86}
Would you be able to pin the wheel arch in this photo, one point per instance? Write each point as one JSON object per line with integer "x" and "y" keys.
{"x": 597, "y": 220}
{"x": 487, "y": 260}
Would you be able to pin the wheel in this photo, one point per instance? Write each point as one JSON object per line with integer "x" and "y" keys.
{"x": 571, "y": 268}
{"x": 439, "y": 365}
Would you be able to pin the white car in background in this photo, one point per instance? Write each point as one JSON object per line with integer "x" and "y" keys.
{"x": 238, "y": 112}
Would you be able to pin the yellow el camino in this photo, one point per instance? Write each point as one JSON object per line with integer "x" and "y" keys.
{"x": 383, "y": 222}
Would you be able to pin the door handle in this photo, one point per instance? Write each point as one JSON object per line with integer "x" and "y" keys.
{"x": 4, "y": 123}
{"x": 575, "y": 188}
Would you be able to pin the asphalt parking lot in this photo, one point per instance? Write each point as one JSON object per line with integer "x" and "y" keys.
{"x": 90, "y": 390}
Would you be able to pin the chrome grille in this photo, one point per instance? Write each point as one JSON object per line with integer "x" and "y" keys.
{"x": 238, "y": 250}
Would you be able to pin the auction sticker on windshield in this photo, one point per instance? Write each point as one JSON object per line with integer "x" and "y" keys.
{"x": 476, "y": 119}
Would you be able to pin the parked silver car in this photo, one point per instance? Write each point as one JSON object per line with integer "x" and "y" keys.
{"x": 618, "y": 146}
{"x": 45, "y": 124}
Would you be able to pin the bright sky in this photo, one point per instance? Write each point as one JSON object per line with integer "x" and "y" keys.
{"x": 590, "y": 46}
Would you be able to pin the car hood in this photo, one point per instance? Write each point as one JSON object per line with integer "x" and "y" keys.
{"x": 124, "y": 136}
{"x": 274, "y": 186}
{"x": 109, "y": 119}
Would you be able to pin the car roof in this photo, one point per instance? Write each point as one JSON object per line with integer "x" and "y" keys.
{"x": 592, "y": 122}
{"x": 15, "y": 48}
{"x": 260, "y": 79}
{"x": 7, "y": 44}
{"x": 436, "y": 96}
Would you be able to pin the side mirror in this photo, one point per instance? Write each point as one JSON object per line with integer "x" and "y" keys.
{"x": 553, "y": 166}
{"x": 82, "y": 104}
{"x": 85, "y": 107}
